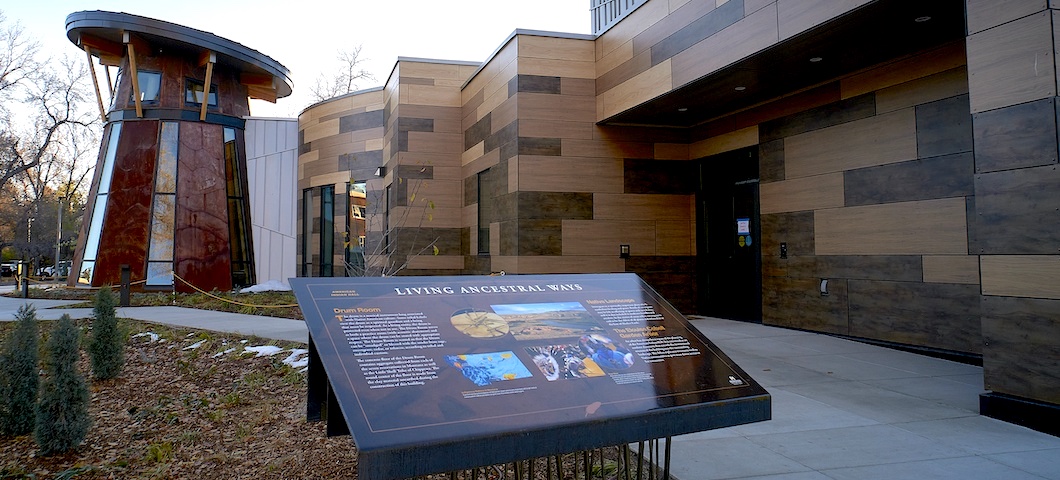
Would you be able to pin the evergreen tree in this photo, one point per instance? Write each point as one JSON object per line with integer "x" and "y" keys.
{"x": 107, "y": 348}
{"x": 62, "y": 414}
{"x": 19, "y": 377}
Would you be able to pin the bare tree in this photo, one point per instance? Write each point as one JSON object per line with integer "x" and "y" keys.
{"x": 344, "y": 79}
{"x": 46, "y": 136}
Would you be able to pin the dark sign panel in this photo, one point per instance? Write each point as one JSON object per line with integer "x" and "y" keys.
{"x": 435, "y": 374}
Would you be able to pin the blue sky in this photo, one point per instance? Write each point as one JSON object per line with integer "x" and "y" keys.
{"x": 305, "y": 35}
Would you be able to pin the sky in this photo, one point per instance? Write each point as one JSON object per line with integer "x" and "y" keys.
{"x": 305, "y": 35}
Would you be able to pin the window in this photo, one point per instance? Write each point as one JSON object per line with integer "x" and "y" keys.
{"x": 485, "y": 204}
{"x": 150, "y": 87}
{"x": 95, "y": 229}
{"x": 193, "y": 93}
{"x": 238, "y": 220}
{"x": 356, "y": 228}
{"x": 163, "y": 210}
{"x": 307, "y": 232}
{"x": 327, "y": 230}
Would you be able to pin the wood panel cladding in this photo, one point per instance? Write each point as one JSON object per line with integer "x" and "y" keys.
{"x": 1017, "y": 211}
{"x": 913, "y": 313}
{"x": 127, "y": 223}
{"x": 1020, "y": 347}
{"x": 984, "y": 14}
{"x": 951, "y": 269}
{"x": 921, "y": 179}
{"x": 1019, "y": 136}
{"x": 807, "y": 193}
{"x": 907, "y": 228}
{"x": 201, "y": 241}
{"x": 1012, "y": 63}
{"x": 1028, "y": 276}
{"x": 878, "y": 140}
{"x": 943, "y": 127}
{"x": 782, "y": 295}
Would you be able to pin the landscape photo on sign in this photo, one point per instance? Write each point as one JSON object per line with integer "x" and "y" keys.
{"x": 564, "y": 361}
{"x": 485, "y": 368}
{"x": 540, "y": 321}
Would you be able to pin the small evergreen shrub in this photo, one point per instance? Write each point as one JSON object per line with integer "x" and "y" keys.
{"x": 107, "y": 346}
{"x": 19, "y": 377}
{"x": 62, "y": 414}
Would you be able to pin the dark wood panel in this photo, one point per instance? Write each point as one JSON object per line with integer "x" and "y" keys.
{"x": 843, "y": 111}
{"x": 421, "y": 172}
{"x": 540, "y": 146}
{"x": 712, "y": 22}
{"x": 361, "y": 165}
{"x": 361, "y": 121}
{"x": 415, "y": 124}
{"x": 1021, "y": 344}
{"x": 660, "y": 176}
{"x": 555, "y": 205}
{"x": 677, "y": 288}
{"x": 771, "y": 161}
{"x": 471, "y": 190}
{"x": 127, "y": 222}
{"x": 935, "y": 315}
{"x": 1016, "y": 137}
{"x": 797, "y": 303}
{"x": 922, "y": 179}
{"x": 413, "y": 241}
{"x": 533, "y": 84}
{"x": 854, "y": 267}
{"x": 477, "y": 132}
{"x": 507, "y": 134}
{"x": 1017, "y": 211}
{"x": 201, "y": 246}
{"x": 661, "y": 264}
{"x": 973, "y": 230}
{"x": 538, "y": 237}
{"x": 794, "y": 229}
{"x": 624, "y": 71}
{"x": 944, "y": 127}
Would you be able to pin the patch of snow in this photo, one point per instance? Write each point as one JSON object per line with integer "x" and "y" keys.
{"x": 151, "y": 335}
{"x": 264, "y": 350}
{"x": 194, "y": 345}
{"x": 296, "y": 359}
{"x": 226, "y": 352}
{"x": 269, "y": 286}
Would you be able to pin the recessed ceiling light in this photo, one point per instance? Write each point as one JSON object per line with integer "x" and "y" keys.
{"x": 682, "y": 109}
{"x": 815, "y": 59}
{"x": 740, "y": 88}
{"x": 922, "y": 19}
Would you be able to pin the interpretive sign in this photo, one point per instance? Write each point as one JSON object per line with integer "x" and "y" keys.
{"x": 435, "y": 374}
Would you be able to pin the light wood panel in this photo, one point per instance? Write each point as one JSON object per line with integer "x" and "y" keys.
{"x": 671, "y": 151}
{"x": 321, "y": 130}
{"x": 531, "y": 127}
{"x": 872, "y": 141}
{"x": 501, "y": 61}
{"x": 797, "y": 16}
{"x": 430, "y": 95}
{"x": 602, "y": 237}
{"x": 436, "y": 142}
{"x": 643, "y": 17}
{"x": 946, "y": 84}
{"x": 684, "y": 15}
{"x": 951, "y": 269}
{"x": 653, "y": 82}
{"x": 724, "y": 143}
{"x": 1012, "y": 63}
{"x": 675, "y": 238}
{"x": 557, "y": 67}
{"x": 557, "y": 48}
{"x": 946, "y": 57}
{"x": 607, "y": 206}
{"x": 744, "y": 38}
{"x": 573, "y": 147}
{"x": 570, "y": 108}
{"x": 562, "y": 174}
{"x": 566, "y": 264}
{"x": 1029, "y": 276}
{"x": 619, "y": 55}
{"x": 984, "y": 14}
{"x": 807, "y": 193}
{"x": 910, "y": 228}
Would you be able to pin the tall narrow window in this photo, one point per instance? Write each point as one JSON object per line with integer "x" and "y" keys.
{"x": 238, "y": 220}
{"x": 163, "y": 210}
{"x": 356, "y": 228}
{"x": 485, "y": 204}
{"x": 95, "y": 228}
{"x": 327, "y": 230}
{"x": 308, "y": 220}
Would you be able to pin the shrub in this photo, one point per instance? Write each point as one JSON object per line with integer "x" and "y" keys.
{"x": 107, "y": 346}
{"x": 62, "y": 414}
{"x": 19, "y": 377}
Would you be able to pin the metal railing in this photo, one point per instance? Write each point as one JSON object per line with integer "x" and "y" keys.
{"x": 606, "y": 13}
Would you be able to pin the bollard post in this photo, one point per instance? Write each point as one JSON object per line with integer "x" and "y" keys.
{"x": 124, "y": 295}
{"x": 22, "y": 277}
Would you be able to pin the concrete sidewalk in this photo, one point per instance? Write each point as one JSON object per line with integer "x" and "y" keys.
{"x": 841, "y": 409}
{"x": 265, "y": 327}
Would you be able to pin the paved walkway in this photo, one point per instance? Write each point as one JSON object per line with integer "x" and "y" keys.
{"x": 841, "y": 409}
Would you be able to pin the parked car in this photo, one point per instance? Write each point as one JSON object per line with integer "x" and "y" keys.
{"x": 7, "y": 269}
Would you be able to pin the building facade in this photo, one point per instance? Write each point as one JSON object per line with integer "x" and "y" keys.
{"x": 884, "y": 170}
